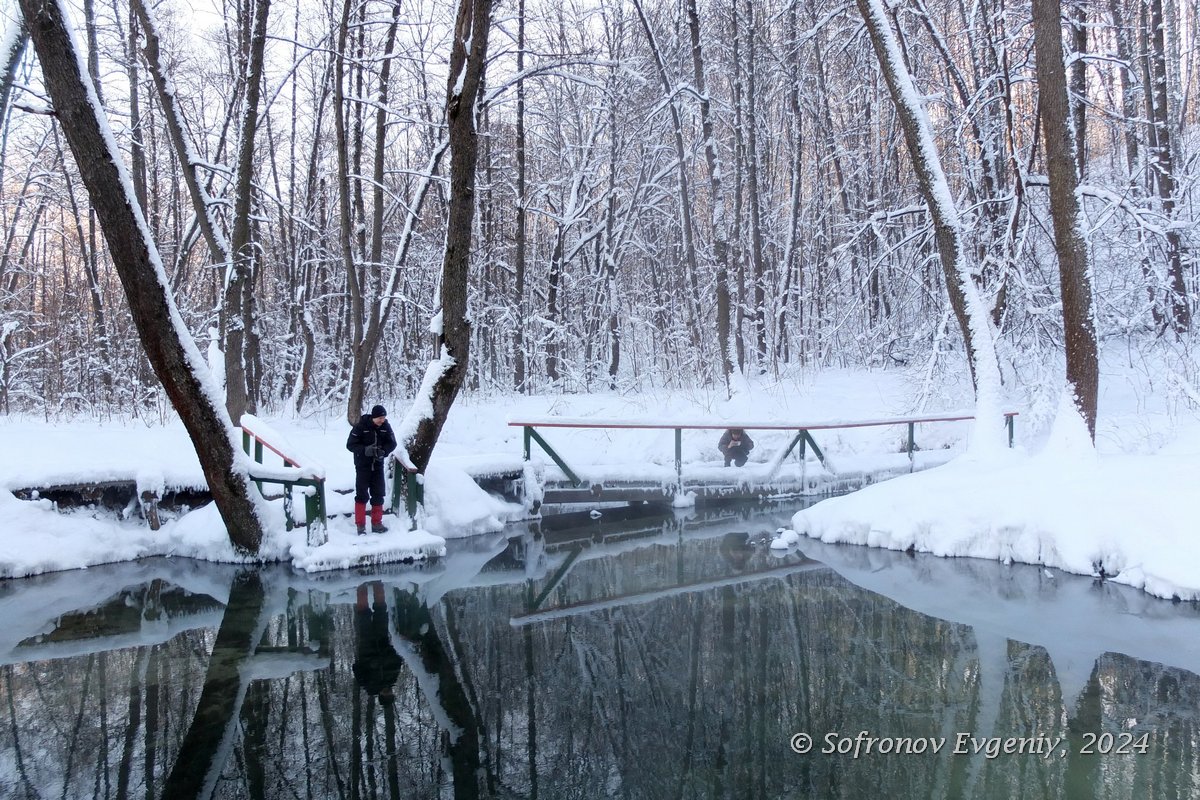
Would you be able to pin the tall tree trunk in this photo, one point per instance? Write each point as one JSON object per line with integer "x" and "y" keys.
{"x": 241, "y": 339}
{"x": 719, "y": 219}
{"x": 757, "y": 257}
{"x": 1079, "y": 45}
{"x": 364, "y": 350}
{"x": 137, "y": 149}
{"x": 169, "y": 347}
{"x": 520, "y": 381}
{"x": 1055, "y": 112}
{"x": 553, "y": 283}
{"x": 1131, "y": 91}
{"x": 443, "y": 379}
{"x": 202, "y": 204}
{"x": 1164, "y": 173}
{"x": 687, "y": 225}
{"x": 739, "y": 153}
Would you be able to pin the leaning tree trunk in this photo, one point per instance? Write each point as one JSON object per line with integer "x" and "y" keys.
{"x": 422, "y": 426}
{"x": 1083, "y": 371}
{"x": 947, "y": 227}
{"x": 202, "y": 204}
{"x": 13, "y": 48}
{"x": 168, "y": 346}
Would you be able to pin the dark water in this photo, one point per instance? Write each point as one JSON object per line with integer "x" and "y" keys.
{"x": 652, "y": 657}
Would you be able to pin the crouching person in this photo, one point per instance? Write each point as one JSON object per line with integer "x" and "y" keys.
{"x": 735, "y": 445}
{"x": 371, "y": 439}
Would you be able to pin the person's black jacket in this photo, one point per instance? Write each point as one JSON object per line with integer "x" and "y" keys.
{"x": 726, "y": 441}
{"x": 364, "y": 434}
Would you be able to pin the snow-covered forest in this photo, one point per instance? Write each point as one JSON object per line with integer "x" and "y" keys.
{"x": 658, "y": 184}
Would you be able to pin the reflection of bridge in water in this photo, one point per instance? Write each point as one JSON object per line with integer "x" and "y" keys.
{"x": 644, "y": 580}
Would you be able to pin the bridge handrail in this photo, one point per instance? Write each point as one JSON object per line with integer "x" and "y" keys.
{"x": 278, "y": 444}
{"x": 587, "y": 422}
{"x": 311, "y": 478}
{"x": 803, "y": 436}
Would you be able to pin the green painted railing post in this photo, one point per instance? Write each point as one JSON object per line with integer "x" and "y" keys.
{"x": 288, "y": 524}
{"x": 527, "y": 430}
{"x": 397, "y": 486}
{"x": 679, "y": 461}
{"x": 258, "y": 459}
{"x": 246, "y": 441}
{"x": 1008, "y": 423}
{"x": 911, "y": 425}
{"x": 575, "y": 479}
{"x": 414, "y": 496}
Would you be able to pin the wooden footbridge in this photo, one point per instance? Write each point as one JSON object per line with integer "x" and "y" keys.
{"x": 687, "y": 484}
{"x": 559, "y": 485}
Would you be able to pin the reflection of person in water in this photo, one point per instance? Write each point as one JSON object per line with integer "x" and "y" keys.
{"x": 377, "y": 664}
{"x": 736, "y": 550}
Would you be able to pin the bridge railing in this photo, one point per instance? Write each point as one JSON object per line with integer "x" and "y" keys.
{"x": 407, "y": 487}
{"x": 257, "y": 437}
{"x": 803, "y": 437}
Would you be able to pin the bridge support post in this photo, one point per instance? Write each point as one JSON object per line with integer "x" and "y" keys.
{"x": 414, "y": 495}
{"x": 803, "y": 438}
{"x": 530, "y": 433}
{"x": 314, "y": 512}
{"x": 406, "y": 485}
{"x": 679, "y": 461}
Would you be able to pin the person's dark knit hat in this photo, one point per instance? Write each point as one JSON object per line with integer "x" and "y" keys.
{"x": 378, "y": 411}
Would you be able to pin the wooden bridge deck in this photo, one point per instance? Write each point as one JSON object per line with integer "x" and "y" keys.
{"x": 714, "y": 485}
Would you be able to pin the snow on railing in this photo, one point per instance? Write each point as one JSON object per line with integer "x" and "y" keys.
{"x": 310, "y": 478}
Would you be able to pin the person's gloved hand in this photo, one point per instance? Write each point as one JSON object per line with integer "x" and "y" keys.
{"x": 373, "y": 451}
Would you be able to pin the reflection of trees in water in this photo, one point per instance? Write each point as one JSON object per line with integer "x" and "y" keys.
{"x": 690, "y": 695}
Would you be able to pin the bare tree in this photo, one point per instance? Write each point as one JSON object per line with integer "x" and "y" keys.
{"x": 719, "y": 218}
{"x": 520, "y": 235}
{"x": 1083, "y": 371}
{"x": 444, "y": 377}
{"x": 1162, "y": 151}
{"x": 238, "y": 315}
{"x": 168, "y": 346}
{"x": 948, "y": 232}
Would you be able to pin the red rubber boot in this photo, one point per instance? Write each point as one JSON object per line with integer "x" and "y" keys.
{"x": 377, "y": 525}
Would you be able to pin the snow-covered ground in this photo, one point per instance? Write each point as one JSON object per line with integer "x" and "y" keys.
{"x": 1126, "y": 507}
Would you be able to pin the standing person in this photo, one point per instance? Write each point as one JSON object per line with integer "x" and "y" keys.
{"x": 735, "y": 445}
{"x": 371, "y": 439}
